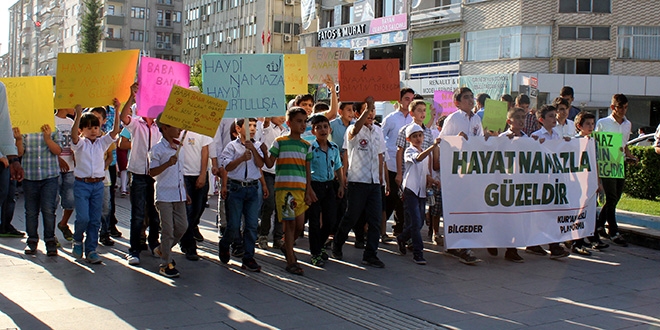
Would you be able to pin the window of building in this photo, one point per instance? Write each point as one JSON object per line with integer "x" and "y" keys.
{"x": 111, "y": 9}
{"x": 233, "y": 3}
{"x": 163, "y": 40}
{"x": 137, "y": 35}
{"x": 138, "y": 12}
{"x": 296, "y": 28}
{"x": 509, "y": 42}
{"x": 584, "y": 33}
{"x": 446, "y": 50}
{"x": 176, "y": 38}
{"x": 277, "y": 27}
{"x": 585, "y": 6}
{"x": 219, "y": 6}
{"x": 165, "y": 2}
{"x": 111, "y": 33}
{"x": 176, "y": 17}
{"x": 584, "y": 66}
{"x": 287, "y": 27}
{"x": 639, "y": 42}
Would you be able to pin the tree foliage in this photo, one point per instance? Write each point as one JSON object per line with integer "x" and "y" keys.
{"x": 196, "y": 75}
{"x": 91, "y": 26}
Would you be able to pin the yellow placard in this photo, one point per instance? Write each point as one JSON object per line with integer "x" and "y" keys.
{"x": 30, "y": 101}
{"x": 193, "y": 111}
{"x": 93, "y": 80}
{"x": 295, "y": 74}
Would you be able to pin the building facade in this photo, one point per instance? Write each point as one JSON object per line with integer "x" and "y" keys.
{"x": 599, "y": 47}
{"x": 240, "y": 26}
{"x": 40, "y": 29}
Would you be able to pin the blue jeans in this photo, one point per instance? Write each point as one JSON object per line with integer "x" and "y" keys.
{"x": 242, "y": 201}
{"x": 89, "y": 206}
{"x": 7, "y": 200}
{"x": 143, "y": 206}
{"x": 67, "y": 200}
{"x": 362, "y": 199}
{"x": 105, "y": 212}
{"x": 40, "y": 195}
{"x": 194, "y": 210}
{"x": 413, "y": 221}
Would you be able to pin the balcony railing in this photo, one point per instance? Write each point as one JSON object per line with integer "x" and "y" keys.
{"x": 434, "y": 69}
{"x": 437, "y": 15}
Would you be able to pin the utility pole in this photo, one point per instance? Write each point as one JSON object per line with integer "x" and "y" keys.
{"x": 409, "y": 41}
{"x": 144, "y": 37}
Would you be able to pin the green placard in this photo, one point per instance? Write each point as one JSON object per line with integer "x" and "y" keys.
{"x": 610, "y": 155}
{"x": 495, "y": 115}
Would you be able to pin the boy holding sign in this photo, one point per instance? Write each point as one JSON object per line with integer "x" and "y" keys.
{"x": 613, "y": 187}
{"x": 166, "y": 167}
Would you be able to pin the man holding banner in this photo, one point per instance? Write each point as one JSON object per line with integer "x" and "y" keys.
{"x": 613, "y": 180}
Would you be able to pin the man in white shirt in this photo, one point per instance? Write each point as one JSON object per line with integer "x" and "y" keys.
{"x": 392, "y": 124}
{"x": 144, "y": 135}
{"x": 616, "y": 123}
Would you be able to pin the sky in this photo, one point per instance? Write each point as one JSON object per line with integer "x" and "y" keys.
{"x": 4, "y": 24}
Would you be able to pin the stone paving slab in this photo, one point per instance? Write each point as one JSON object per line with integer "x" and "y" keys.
{"x": 618, "y": 288}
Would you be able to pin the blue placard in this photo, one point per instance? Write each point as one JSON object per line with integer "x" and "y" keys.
{"x": 252, "y": 84}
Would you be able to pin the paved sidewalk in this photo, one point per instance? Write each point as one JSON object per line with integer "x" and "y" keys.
{"x": 615, "y": 289}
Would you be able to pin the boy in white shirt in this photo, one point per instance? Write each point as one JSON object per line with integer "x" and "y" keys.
{"x": 89, "y": 172}
{"x": 565, "y": 126}
{"x": 166, "y": 167}
{"x": 547, "y": 116}
{"x": 415, "y": 180}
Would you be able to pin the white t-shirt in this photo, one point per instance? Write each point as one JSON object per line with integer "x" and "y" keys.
{"x": 567, "y": 129}
{"x": 192, "y": 148}
{"x": 363, "y": 151}
{"x": 90, "y": 156}
{"x": 609, "y": 124}
{"x": 143, "y": 138}
{"x": 170, "y": 186}
{"x": 64, "y": 127}
{"x": 459, "y": 121}
{"x": 415, "y": 177}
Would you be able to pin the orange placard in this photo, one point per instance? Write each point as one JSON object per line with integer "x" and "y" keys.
{"x": 376, "y": 78}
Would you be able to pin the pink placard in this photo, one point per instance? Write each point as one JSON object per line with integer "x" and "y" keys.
{"x": 156, "y": 78}
{"x": 444, "y": 103}
{"x": 388, "y": 24}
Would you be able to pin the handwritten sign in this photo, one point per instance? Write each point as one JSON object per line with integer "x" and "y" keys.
{"x": 295, "y": 74}
{"x": 93, "y": 80}
{"x": 609, "y": 155}
{"x": 253, "y": 83}
{"x": 193, "y": 111}
{"x": 323, "y": 61}
{"x": 495, "y": 115}
{"x": 376, "y": 78}
{"x": 443, "y": 102}
{"x": 156, "y": 78}
{"x": 30, "y": 101}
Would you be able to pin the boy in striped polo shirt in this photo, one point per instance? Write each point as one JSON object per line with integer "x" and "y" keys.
{"x": 293, "y": 192}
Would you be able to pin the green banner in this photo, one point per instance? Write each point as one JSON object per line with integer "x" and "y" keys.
{"x": 610, "y": 155}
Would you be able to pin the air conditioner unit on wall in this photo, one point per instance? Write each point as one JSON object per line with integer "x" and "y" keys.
{"x": 289, "y": 2}
{"x": 287, "y": 38}
{"x": 185, "y": 52}
{"x": 203, "y": 46}
{"x": 229, "y": 39}
{"x": 205, "y": 18}
{"x": 216, "y": 43}
{"x": 186, "y": 22}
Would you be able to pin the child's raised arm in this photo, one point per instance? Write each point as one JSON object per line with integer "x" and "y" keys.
{"x": 126, "y": 110}
{"x": 115, "y": 127}
{"x": 75, "y": 129}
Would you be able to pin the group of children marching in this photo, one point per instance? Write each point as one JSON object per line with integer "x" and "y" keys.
{"x": 325, "y": 165}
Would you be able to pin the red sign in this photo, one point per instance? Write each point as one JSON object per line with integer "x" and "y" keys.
{"x": 376, "y": 78}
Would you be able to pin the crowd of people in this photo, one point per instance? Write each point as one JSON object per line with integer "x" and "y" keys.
{"x": 330, "y": 166}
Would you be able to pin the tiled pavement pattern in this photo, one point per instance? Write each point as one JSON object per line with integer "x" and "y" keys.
{"x": 615, "y": 289}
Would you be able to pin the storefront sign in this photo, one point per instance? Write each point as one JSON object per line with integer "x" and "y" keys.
{"x": 430, "y": 85}
{"x": 344, "y": 31}
{"x": 388, "y": 24}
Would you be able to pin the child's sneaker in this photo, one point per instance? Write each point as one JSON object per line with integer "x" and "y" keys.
{"x": 618, "y": 240}
{"x": 419, "y": 260}
{"x": 324, "y": 255}
{"x": 31, "y": 248}
{"x": 251, "y": 265}
{"x": 94, "y": 258}
{"x": 133, "y": 260}
{"x": 77, "y": 250}
{"x": 168, "y": 271}
{"x": 262, "y": 242}
{"x": 51, "y": 248}
{"x": 66, "y": 232}
{"x": 318, "y": 261}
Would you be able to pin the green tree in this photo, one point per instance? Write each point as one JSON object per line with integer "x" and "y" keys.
{"x": 91, "y": 26}
{"x": 196, "y": 75}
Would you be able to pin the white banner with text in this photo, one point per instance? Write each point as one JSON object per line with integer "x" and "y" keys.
{"x": 517, "y": 192}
